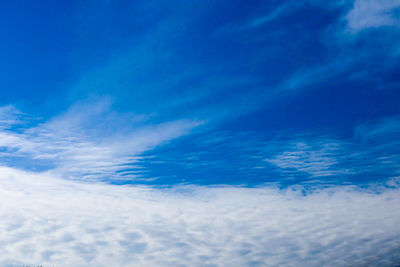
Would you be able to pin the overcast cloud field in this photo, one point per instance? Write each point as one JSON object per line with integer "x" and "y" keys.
{"x": 200, "y": 133}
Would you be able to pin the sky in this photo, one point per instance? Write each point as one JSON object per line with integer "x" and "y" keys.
{"x": 200, "y": 133}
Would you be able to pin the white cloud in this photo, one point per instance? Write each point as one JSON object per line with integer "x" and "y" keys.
{"x": 373, "y": 14}
{"x": 373, "y": 149}
{"x": 9, "y": 115}
{"x": 315, "y": 158}
{"x": 53, "y": 222}
{"x": 88, "y": 141}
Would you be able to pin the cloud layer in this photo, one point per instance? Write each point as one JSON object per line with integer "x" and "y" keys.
{"x": 49, "y": 221}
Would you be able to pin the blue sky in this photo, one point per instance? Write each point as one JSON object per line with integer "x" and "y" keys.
{"x": 190, "y": 96}
{"x": 246, "y": 82}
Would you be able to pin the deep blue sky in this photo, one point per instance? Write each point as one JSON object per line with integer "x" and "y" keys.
{"x": 260, "y": 91}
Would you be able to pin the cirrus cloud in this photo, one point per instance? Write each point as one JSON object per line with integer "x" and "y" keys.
{"x": 89, "y": 141}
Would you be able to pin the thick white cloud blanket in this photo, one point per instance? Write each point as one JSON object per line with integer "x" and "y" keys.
{"x": 52, "y": 222}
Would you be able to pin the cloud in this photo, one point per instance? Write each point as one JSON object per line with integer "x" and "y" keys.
{"x": 274, "y": 14}
{"x": 151, "y": 73}
{"x": 89, "y": 141}
{"x": 286, "y": 157}
{"x": 9, "y": 116}
{"x": 371, "y": 152}
{"x": 315, "y": 158}
{"x": 368, "y": 14}
{"x": 386, "y": 128}
{"x": 350, "y": 54}
{"x": 288, "y": 8}
{"x": 49, "y": 221}
{"x": 306, "y": 78}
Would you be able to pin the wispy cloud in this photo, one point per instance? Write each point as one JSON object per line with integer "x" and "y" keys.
{"x": 373, "y": 150}
{"x": 89, "y": 141}
{"x": 349, "y": 59}
{"x": 49, "y": 221}
{"x": 373, "y": 14}
{"x": 317, "y": 159}
{"x": 278, "y": 12}
{"x": 285, "y": 157}
{"x": 10, "y": 116}
{"x": 274, "y": 14}
{"x": 385, "y": 129}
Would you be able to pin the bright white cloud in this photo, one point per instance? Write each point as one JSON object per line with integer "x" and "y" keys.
{"x": 53, "y": 222}
{"x": 373, "y": 14}
{"x": 88, "y": 141}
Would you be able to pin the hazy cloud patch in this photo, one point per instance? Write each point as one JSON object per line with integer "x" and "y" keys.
{"x": 373, "y": 14}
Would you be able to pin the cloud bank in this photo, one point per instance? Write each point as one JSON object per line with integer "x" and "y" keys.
{"x": 50, "y": 221}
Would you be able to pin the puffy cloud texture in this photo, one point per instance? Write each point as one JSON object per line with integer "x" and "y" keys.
{"x": 49, "y": 221}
